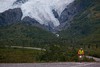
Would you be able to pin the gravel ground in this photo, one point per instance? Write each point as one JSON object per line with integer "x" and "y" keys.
{"x": 66, "y": 64}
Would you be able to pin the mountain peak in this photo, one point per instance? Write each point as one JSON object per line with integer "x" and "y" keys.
{"x": 40, "y": 10}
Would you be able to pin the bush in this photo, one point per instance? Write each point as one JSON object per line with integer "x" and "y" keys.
{"x": 56, "y": 53}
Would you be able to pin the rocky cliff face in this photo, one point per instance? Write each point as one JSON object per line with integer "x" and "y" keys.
{"x": 71, "y": 10}
{"x": 10, "y": 16}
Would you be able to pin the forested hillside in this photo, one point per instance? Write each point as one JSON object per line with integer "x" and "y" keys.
{"x": 20, "y": 34}
{"x": 85, "y": 27}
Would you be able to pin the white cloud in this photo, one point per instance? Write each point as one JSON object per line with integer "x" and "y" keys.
{"x": 6, "y": 4}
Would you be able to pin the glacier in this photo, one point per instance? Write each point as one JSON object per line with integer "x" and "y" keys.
{"x": 40, "y": 10}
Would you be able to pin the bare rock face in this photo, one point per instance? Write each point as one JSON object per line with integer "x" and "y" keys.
{"x": 29, "y": 20}
{"x": 71, "y": 10}
{"x": 10, "y": 16}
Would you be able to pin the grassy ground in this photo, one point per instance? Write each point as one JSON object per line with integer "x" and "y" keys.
{"x": 94, "y": 52}
{"x": 15, "y": 55}
{"x": 12, "y": 55}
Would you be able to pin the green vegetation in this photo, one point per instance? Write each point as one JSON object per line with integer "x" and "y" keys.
{"x": 94, "y": 52}
{"x": 84, "y": 30}
{"x": 14, "y": 55}
{"x": 20, "y": 34}
{"x": 54, "y": 53}
{"x": 57, "y": 53}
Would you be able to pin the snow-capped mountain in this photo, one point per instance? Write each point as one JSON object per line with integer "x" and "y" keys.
{"x": 25, "y": 22}
{"x": 40, "y": 10}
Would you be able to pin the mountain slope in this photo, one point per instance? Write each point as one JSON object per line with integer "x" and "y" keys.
{"x": 83, "y": 17}
{"x": 85, "y": 27}
{"x": 20, "y": 34}
{"x": 10, "y": 16}
{"x": 40, "y": 10}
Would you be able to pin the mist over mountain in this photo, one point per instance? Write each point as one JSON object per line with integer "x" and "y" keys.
{"x": 40, "y": 10}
